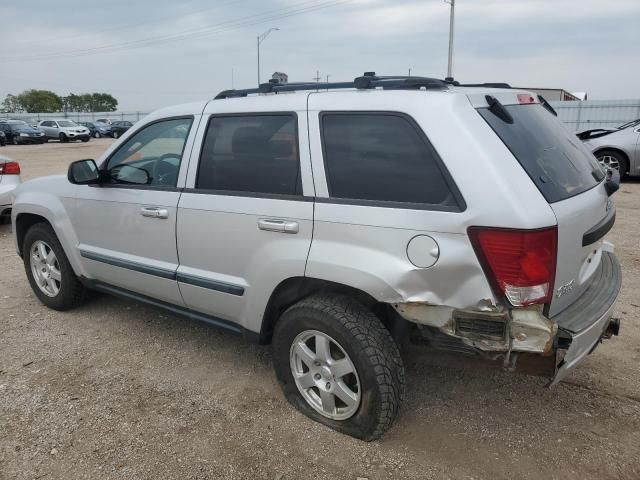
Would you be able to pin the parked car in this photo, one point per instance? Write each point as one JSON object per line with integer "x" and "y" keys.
{"x": 19, "y": 132}
{"x": 106, "y": 121}
{"x": 9, "y": 180}
{"x": 616, "y": 148}
{"x": 64, "y": 130}
{"x": 341, "y": 224}
{"x": 119, "y": 127}
{"x": 97, "y": 130}
{"x": 3, "y": 138}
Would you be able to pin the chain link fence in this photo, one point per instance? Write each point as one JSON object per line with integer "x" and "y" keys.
{"x": 597, "y": 113}
{"x": 578, "y": 115}
{"x": 75, "y": 116}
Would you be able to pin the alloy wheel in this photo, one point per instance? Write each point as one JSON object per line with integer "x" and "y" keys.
{"x": 45, "y": 268}
{"x": 325, "y": 375}
{"x": 609, "y": 162}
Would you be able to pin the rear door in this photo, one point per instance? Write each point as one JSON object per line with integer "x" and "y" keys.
{"x": 245, "y": 220}
{"x": 570, "y": 179}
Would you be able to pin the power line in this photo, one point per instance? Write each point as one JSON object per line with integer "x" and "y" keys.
{"x": 137, "y": 24}
{"x": 255, "y": 19}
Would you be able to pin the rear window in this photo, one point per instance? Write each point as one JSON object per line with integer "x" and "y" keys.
{"x": 557, "y": 162}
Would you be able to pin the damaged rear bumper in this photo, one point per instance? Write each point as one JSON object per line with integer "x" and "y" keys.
{"x": 588, "y": 320}
{"x": 514, "y": 336}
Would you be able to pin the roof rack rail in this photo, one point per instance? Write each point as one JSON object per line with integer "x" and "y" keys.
{"x": 368, "y": 81}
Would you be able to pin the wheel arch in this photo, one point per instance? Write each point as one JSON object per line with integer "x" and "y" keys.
{"x": 293, "y": 289}
{"x": 24, "y": 221}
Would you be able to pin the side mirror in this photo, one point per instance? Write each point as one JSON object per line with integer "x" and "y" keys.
{"x": 83, "y": 172}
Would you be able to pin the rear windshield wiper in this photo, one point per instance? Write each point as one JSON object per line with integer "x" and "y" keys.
{"x": 498, "y": 109}
{"x": 547, "y": 105}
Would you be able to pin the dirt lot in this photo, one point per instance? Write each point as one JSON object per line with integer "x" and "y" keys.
{"x": 116, "y": 389}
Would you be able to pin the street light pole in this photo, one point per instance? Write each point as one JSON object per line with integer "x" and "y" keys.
{"x": 451, "y": 27}
{"x": 261, "y": 39}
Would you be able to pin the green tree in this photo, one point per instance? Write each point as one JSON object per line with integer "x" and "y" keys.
{"x": 90, "y": 102}
{"x": 41, "y": 101}
{"x": 11, "y": 104}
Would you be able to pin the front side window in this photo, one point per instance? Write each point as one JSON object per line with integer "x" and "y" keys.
{"x": 382, "y": 157}
{"x": 66, "y": 123}
{"x": 151, "y": 156}
{"x": 251, "y": 153}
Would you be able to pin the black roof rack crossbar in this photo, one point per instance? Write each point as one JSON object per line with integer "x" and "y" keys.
{"x": 368, "y": 81}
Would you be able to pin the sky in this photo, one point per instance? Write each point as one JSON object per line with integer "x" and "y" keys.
{"x": 152, "y": 53}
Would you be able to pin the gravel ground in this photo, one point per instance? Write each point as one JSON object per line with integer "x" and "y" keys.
{"x": 116, "y": 389}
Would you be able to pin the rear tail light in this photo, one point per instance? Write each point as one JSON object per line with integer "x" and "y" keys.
{"x": 10, "y": 168}
{"x": 520, "y": 264}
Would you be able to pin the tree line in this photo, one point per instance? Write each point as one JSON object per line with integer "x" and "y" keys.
{"x": 45, "y": 101}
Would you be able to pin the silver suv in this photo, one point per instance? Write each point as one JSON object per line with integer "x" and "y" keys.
{"x": 339, "y": 222}
{"x": 64, "y": 130}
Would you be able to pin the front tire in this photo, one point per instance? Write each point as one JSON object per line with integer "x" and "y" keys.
{"x": 96, "y": 135}
{"x": 48, "y": 270}
{"x": 63, "y": 138}
{"x": 115, "y": 134}
{"x": 339, "y": 365}
{"x": 14, "y": 140}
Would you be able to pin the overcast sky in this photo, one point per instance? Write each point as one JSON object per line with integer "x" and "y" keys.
{"x": 151, "y": 53}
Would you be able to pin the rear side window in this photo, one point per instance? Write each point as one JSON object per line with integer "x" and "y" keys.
{"x": 383, "y": 157}
{"x": 251, "y": 153}
{"x": 555, "y": 159}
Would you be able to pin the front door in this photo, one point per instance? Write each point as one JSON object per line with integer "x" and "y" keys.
{"x": 126, "y": 227}
{"x": 245, "y": 226}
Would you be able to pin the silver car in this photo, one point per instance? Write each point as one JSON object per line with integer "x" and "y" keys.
{"x": 339, "y": 223}
{"x": 64, "y": 130}
{"x": 616, "y": 149}
{"x": 9, "y": 180}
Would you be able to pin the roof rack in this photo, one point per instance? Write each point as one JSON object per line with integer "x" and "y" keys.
{"x": 368, "y": 81}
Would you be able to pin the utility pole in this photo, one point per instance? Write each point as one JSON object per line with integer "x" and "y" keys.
{"x": 409, "y": 73}
{"x": 232, "y": 86}
{"x": 451, "y": 28}
{"x": 317, "y": 78}
{"x": 261, "y": 39}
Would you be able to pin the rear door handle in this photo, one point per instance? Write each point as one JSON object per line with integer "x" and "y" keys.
{"x": 276, "y": 225}
{"x": 154, "y": 212}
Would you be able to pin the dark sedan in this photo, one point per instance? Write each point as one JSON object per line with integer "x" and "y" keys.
{"x": 119, "y": 127}
{"x": 98, "y": 130}
{"x": 18, "y": 132}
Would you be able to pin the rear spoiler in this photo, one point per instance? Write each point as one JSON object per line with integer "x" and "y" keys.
{"x": 595, "y": 133}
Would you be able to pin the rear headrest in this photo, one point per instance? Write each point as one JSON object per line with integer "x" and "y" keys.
{"x": 280, "y": 148}
{"x": 249, "y": 139}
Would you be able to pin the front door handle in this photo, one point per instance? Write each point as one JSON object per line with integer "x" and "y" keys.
{"x": 154, "y": 212}
{"x": 276, "y": 225}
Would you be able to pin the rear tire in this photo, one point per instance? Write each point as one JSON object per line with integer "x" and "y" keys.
{"x": 614, "y": 160}
{"x": 56, "y": 286}
{"x": 115, "y": 134}
{"x": 352, "y": 332}
{"x": 14, "y": 140}
{"x": 85, "y": 140}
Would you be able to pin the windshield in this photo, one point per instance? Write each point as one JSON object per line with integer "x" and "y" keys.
{"x": 556, "y": 160}
{"x": 18, "y": 125}
{"x": 66, "y": 123}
